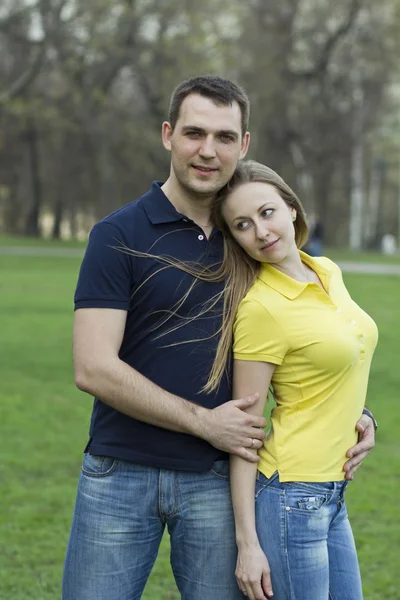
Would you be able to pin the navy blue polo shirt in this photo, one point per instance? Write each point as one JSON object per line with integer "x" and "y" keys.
{"x": 111, "y": 278}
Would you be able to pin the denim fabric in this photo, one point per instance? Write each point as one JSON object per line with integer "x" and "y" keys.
{"x": 120, "y": 515}
{"x": 305, "y": 533}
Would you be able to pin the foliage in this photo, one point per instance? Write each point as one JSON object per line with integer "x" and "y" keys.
{"x": 84, "y": 88}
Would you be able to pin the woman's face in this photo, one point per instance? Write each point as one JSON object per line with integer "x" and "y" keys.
{"x": 261, "y": 222}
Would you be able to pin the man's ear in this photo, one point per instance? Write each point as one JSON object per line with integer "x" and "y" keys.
{"x": 245, "y": 145}
{"x": 166, "y": 135}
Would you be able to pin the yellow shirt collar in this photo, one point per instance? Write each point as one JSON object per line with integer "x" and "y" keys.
{"x": 288, "y": 286}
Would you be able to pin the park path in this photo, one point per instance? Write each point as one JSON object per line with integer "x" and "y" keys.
{"x": 346, "y": 266}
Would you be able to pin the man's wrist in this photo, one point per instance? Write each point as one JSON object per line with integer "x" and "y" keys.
{"x": 199, "y": 422}
{"x": 367, "y": 412}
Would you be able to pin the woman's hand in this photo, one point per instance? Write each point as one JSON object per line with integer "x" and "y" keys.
{"x": 253, "y": 574}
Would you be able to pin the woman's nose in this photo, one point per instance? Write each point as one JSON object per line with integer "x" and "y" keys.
{"x": 262, "y": 230}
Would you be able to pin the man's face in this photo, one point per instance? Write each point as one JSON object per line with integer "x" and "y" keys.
{"x": 205, "y": 145}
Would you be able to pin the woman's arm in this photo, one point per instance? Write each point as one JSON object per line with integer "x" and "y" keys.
{"x": 252, "y": 569}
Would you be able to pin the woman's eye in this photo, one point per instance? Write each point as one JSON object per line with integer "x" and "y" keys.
{"x": 267, "y": 212}
{"x": 242, "y": 225}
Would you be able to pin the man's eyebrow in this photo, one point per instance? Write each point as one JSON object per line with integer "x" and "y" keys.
{"x": 192, "y": 128}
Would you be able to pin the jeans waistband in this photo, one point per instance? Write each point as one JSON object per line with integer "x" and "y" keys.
{"x": 333, "y": 488}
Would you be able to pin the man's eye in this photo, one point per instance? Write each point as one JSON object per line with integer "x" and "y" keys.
{"x": 226, "y": 138}
{"x": 193, "y": 134}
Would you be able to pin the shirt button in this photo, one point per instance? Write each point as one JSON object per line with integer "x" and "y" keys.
{"x": 338, "y": 310}
{"x": 185, "y": 220}
{"x": 352, "y": 323}
{"x": 362, "y": 340}
{"x": 201, "y": 237}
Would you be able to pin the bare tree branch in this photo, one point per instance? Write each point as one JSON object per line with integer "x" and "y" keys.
{"x": 9, "y": 20}
{"x": 24, "y": 80}
{"x": 330, "y": 44}
{"x": 103, "y": 73}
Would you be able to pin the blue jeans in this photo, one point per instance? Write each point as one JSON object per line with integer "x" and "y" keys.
{"x": 305, "y": 533}
{"x": 120, "y": 515}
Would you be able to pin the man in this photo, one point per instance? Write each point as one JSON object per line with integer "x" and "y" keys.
{"x": 157, "y": 453}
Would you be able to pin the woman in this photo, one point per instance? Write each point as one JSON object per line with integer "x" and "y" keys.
{"x": 296, "y": 328}
{"x": 293, "y": 326}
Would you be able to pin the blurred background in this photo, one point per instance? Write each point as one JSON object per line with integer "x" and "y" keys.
{"x": 85, "y": 85}
{"x": 84, "y": 88}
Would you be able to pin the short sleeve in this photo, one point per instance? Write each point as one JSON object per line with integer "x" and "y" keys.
{"x": 105, "y": 278}
{"x": 257, "y": 335}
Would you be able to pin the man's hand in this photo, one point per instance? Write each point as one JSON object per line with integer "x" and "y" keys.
{"x": 229, "y": 428}
{"x": 366, "y": 441}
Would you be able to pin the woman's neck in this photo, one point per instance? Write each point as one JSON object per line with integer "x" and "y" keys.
{"x": 293, "y": 267}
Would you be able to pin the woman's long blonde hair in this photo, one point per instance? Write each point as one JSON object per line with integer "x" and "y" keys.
{"x": 238, "y": 270}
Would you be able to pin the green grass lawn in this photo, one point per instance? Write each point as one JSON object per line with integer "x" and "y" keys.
{"x": 44, "y": 423}
{"x": 339, "y": 254}
{"x": 336, "y": 254}
{"x": 19, "y": 240}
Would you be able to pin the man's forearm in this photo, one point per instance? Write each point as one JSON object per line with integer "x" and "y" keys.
{"x": 227, "y": 427}
{"x": 128, "y": 391}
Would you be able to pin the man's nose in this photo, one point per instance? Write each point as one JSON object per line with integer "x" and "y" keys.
{"x": 207, "y": 148}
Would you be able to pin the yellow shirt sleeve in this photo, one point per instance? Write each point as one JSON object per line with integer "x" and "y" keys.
{"x": 257, "y": 336}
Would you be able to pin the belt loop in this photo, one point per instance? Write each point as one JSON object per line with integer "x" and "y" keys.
{"x": 274, "y": 476}
{"x": 344, "y": 487}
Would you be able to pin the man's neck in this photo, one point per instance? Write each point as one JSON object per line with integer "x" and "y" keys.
{"x": 195, "y": 207}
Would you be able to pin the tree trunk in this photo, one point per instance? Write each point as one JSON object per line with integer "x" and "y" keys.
{"x": 58, "y": 215}
{"x": 374, "y": 201}
{"x": 32, "y": 222}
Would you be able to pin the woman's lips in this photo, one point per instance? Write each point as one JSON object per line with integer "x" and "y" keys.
{"x": 270, "y": 245}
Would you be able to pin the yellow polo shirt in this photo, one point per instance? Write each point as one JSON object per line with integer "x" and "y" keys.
{"x": 322, "y": 345}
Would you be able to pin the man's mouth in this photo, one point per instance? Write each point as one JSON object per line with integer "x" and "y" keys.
{"x": 205, "y": 170}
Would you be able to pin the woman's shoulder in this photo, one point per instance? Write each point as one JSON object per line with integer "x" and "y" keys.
{"x": 326, "y": 263}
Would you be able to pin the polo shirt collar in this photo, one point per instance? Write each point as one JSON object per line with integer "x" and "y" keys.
{"x": 157, "y": 206}
{"x": 289, "y": 287}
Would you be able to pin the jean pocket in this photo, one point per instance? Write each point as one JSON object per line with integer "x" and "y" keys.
{"x": 311, "y": 503}
{"x": 220, "y": 469}
{"x": 306, "y": 504}
{"x": 98, "y": 466}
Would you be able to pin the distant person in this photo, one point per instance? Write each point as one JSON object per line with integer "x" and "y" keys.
{"x": 158, "y": 446}
{"x": 314, "y": 245}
